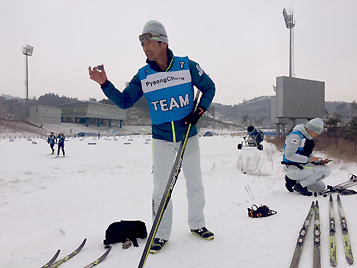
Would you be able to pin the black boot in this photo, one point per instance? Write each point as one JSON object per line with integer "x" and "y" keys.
{"x": 289, "y": 184}
{"x": 301, "y": 190}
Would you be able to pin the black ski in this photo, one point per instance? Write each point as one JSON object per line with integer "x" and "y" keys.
{"x": 317, "y": 234}
{"x": 51, "y": 260}
{"x": 301, "y": 238}
{"x": 346, "y": 240}
{"x": 341, "y": 188}
{"x": 333, "y": 248}
{"x": 168, "y": 191}
{"x": 100, "y": 259}
{"x": 58, "y": 263}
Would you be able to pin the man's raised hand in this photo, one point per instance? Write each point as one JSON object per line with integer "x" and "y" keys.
{"x": 98, "y": 74}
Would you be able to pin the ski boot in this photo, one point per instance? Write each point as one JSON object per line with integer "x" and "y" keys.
{"x": 289, "y": 184}
{"x": 301, "y": 190}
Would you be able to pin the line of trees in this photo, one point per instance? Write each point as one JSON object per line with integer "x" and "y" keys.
{"x": 336, "y": 130}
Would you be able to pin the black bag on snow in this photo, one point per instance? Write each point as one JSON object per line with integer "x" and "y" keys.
{"x": 124, "y": 231}
{"x": 260, "y": 212}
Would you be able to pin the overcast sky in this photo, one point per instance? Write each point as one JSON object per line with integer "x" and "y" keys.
{"x": 242, "y": 45}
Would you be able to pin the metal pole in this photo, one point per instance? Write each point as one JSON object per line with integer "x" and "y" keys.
{"x": 290, "y": 56}
{"x": 27, "y": 89}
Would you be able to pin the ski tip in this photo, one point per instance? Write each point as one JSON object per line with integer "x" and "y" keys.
{"x": 313, "y": 204}
{"x": 106, "y": 253}
{"x": 331, "y": 200}
{"x": 82, "y": 244}
{"x": 52, "y": 260}
{"x": 338, "y": 198}
{"x": 317, "y": 204}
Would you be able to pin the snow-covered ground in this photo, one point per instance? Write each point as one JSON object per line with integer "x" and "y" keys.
{"x": 49, "y": 203}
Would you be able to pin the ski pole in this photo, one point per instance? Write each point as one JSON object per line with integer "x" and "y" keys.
{"x": 168, "y": 190}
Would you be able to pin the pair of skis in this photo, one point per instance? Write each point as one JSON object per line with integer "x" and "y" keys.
{"x": 53, "y": 264}
{"x": 317, "y": 235}
{"x": 302, "y": 235}
{"x": 345, "y": 236}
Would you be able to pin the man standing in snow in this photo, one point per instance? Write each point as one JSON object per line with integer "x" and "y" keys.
{"x": 168, "y": 81}
{"x": 304, "y": 172}
{"x": 51, "y": 141}
{"x": 61, "y": 137}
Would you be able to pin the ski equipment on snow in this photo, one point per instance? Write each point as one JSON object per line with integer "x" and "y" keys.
{"x": 51, "y": 260}
{"x": 100, "y": 259}
{"x": 301, "y": 238}
{"x": 346, "y": 240}
{"x": 317, "y": 240}
{"x": 58, "y": 263}
{"x": 341, "y": 188}
{"x": 168, "y": 191}
{"x": 332, "y": 223}
{"x": 259, "y": 212}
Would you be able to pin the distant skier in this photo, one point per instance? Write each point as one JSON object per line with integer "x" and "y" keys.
{"x": 304, "y": 172}
{"x": 61, "y": 137}
{"x": 52, "y": 141}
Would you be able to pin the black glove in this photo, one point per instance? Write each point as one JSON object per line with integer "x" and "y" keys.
{"x": 193, "y": 118}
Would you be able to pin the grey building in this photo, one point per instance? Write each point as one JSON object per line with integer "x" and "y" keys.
{"x": 92, "y": 113}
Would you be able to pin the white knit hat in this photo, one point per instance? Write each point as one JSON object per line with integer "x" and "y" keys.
{"x": 155, "y": 27}
{"x": 315, "y": 125}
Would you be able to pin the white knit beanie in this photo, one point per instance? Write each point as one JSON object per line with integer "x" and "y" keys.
{"x": 155, "y": 27}
{"x": 315, "y": 125}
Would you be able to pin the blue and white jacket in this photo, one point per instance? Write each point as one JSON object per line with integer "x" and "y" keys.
{"x": 298, "y": 146}
{"x": 170, "y": 95}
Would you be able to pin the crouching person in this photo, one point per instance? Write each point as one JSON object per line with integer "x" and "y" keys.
{"x": 304, "y": 172}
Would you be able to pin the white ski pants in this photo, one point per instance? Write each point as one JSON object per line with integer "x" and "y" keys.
{"x": 164, "y": 154}
{"x": 310, "y": 176}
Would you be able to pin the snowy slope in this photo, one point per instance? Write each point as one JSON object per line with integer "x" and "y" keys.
{"x": 49, "y": 203}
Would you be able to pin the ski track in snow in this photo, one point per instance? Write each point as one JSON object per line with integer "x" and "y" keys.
{"x": 49, "y": 203}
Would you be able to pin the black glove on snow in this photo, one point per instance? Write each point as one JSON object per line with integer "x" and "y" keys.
{"x": 193, "y": 118}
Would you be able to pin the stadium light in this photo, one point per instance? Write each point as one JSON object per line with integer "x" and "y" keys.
{"x": 290, "y": 24}
{"x": 27, "y": 51}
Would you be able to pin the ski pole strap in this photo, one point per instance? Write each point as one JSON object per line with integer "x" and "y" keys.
{"x": 260, "y": 212}
{"x": 292, "y": 164}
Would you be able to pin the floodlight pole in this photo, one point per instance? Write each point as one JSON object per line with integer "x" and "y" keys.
{"x": 290, "y": 24}
{"x": 290, "y": 55}
{"x": 27, "y": 51}
{"x": 27, "y": 87}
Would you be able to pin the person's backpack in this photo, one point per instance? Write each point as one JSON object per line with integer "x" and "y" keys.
{"x": 260, "y": 212}
{"x": 125, "y": 231}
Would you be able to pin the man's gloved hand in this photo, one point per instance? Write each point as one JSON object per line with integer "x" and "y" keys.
{"x": 193, "y": 118}
{"x": 325, "y": 161}
{"x": 322, "y": 161}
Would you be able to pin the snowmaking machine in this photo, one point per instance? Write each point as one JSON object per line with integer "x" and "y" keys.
{"x": 252, "y": 139}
